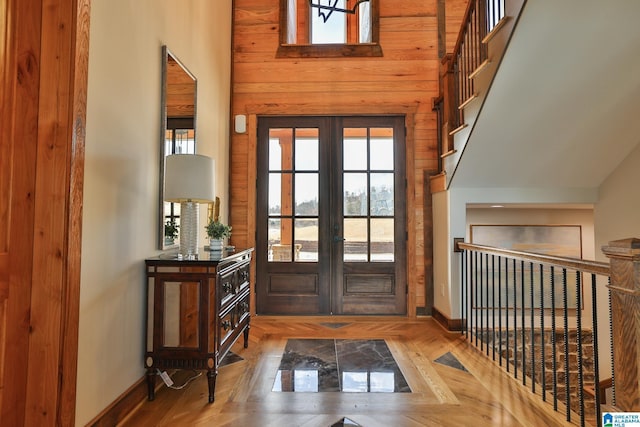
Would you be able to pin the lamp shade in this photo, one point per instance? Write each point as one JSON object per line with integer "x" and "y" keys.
{"x": 189, "y": 178}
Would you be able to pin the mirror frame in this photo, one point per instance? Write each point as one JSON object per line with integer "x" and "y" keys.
{"x": 166, "y": 56}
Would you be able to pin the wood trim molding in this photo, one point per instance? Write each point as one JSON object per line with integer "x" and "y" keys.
{"x": 410, "y": 219}
{"x": 448, "y": 153}
{"x": 80, "y": 14}
{"x": 427, "y": 237}
{"x": 480, "y": 68}
{"x": 120, "y": 408}
{"x": 329, "y": 50}
{"x": 438, "y": 182}
{"x": 451, "y": 325}
{"x": 337, "y": 110}
{"x": 458, "y": 129}
{"x": 495, "y": 29}
{"x": 468, "y": 101}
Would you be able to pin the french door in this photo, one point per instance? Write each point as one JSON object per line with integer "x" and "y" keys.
{"x": 331, "y": 235}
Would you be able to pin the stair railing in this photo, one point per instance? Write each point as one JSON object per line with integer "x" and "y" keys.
{"x": 470, "y": 51}
{"x": 536, "y": 316}
{"x": 517, "y": 306}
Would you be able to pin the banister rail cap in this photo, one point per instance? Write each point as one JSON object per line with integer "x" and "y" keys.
{"x": 623, "y": 247}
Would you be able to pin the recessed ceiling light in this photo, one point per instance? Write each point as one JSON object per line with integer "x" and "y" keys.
{"x": 497, "y": 206}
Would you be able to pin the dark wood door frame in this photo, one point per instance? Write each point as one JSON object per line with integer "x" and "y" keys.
{"x": 312, "y": 282}
{"x": 344, "y": 299}
{"x": 288, "y": 286}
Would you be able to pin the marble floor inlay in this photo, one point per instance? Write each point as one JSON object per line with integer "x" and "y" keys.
{"x": 230, "y": 358}
{"x": 325, "y": 365}
{"x": 333, "y": 325}
{"x": 345, "y": 422}
{"x": 450, "y": 360}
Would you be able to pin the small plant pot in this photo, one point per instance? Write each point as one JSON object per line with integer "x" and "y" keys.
{"x": 216, "y": 245}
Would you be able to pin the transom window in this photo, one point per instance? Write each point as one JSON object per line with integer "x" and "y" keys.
{"x": 329, "y": 28}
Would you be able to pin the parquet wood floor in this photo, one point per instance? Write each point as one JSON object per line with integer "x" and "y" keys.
{"x": 441, "y": 395}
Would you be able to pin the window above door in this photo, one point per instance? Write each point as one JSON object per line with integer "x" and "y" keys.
{"x": 323, "y": 28}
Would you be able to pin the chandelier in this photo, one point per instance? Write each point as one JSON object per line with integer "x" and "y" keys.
{"x": 327, "y": 7}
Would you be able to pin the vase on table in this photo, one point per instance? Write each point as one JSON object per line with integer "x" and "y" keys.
{"x": 216, "y": 245}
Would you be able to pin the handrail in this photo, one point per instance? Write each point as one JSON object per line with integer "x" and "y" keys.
{"x": 469, "y": 54}
{"x": 585, "y": 266}
{"x": 471, "y": 6}
{"x": 526, "y": 310}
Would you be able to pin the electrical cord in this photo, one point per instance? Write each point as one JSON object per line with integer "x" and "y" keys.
{"x": 186, "y": 383}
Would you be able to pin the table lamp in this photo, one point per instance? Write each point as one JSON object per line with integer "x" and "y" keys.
{"x": 189, "y": 180}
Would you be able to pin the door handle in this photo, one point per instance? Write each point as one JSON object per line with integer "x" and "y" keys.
{"x": 337, "y": 239}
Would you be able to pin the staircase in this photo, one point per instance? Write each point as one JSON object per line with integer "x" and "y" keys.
{"x": 559, "y": 89}
{"x": 539, "y": 109}
{"x": 468, "y": 72}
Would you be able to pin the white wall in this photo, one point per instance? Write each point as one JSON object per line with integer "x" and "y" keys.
{"x": 616, "y": 217}
{"x": 617, "y": 214}
{"x": 582, "y": 217}
{"x": 532, "y": 216}
{"x": 121, "y": 170}
{"x": 442, "y": 248}
{"x": 454, "y": 206}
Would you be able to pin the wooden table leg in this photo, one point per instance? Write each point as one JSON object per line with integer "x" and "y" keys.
{"x": 151, "y": 383}
{"x": 211, "y": 379}
{"x": 246, "y": 336}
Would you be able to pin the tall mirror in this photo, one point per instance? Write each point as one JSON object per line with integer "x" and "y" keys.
{"x": 177, "y": 134}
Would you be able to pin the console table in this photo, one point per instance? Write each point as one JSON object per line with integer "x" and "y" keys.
{"x": 196, "y": 310}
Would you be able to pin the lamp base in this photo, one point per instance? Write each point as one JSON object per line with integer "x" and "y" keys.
{"x": 189, "y": 230}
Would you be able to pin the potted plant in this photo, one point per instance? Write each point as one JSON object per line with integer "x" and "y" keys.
{"x": 170, "y": 231}
{"x": 217, "y": 231}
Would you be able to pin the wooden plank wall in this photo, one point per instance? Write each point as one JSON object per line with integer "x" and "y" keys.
{"x": 403, "y": 81}
{"x": 44, "y": 52}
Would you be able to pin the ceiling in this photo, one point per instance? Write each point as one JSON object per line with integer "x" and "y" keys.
{"x": 563, "y": 109}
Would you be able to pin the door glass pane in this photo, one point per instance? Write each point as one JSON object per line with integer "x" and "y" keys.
{"x": 382, "y": 150}
{"x": 293, "y": 190}
{"x": 306, "y": 244}
{"x": 307, "y": 153}
{"x": 280, "y": 239}
{"x": 307, "y": 194}
{"x": 354, "y": 149}
{"x": 280, "y": 149}
{"x": 275, "y": 155}
{"x": 368, "y": 194}
{"x": 382, "y": 242}
{"x": 280, "y": 185}
{"x": 381, "y": 194}
{"x": 355, "y": 239}
{"x": 275, "y": 194}
{"x": 355, "y": 194}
